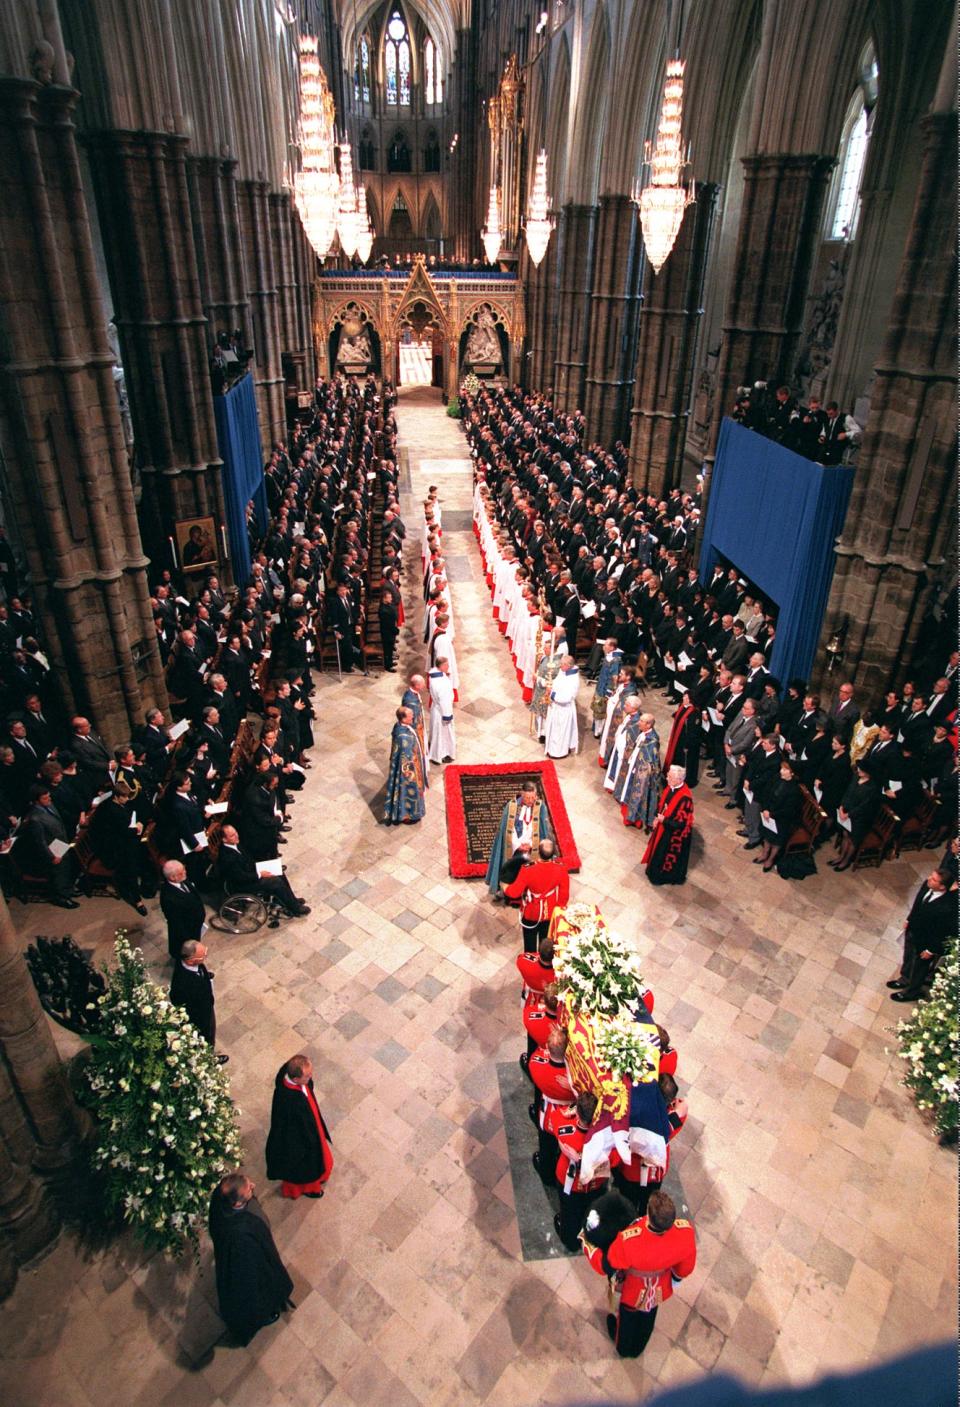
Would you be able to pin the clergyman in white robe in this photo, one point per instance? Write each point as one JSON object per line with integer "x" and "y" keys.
{"x": 562, "y": 732}
{"x": 441, "y": 738}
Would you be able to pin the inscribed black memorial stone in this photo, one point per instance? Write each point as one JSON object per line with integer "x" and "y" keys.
{"x": 483, "y": 801}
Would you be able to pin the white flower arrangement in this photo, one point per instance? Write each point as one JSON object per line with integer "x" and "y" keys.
{"x": 930, "y": 1046}
{"x": 597, "y": 972}
{"x": 150, "y": 1076}
{"x": 627, "y": 1048}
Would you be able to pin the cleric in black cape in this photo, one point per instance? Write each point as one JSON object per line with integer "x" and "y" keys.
{"x": 298, "y": 1151}
{"x": 252, "y": 1282}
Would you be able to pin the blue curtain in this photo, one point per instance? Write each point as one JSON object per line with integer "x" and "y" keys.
{"x": 238, "y": 438}
{"x": 776, "y": 516}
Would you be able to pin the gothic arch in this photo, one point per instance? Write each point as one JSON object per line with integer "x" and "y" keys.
{"x": 590, "y": 120}
{"x": 431, "y": 224}
{"x": 636, "y": 84}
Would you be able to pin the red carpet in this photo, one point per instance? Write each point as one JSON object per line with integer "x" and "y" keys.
{"x": 475, "y": 798}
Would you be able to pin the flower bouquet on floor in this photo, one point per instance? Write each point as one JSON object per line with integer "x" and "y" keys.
{"x": 930, "y": 1046}
{"x": 166, "y": 1125}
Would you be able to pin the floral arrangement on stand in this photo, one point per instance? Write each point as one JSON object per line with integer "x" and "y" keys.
{"x": 166, "y": 1125}
{"x": 930, "y": 1045}
{"x": 470, "y": 384}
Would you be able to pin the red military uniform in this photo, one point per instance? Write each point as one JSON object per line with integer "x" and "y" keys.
{"x": 538, "y": 1022}
{"x": 575, "y": 1194}
{"x": 646, "y": 1262}
{"x": 668, "y": 1061}
{"x": 540, "y": 887}
{"x": 535, "y": 974}
{"x": 636, "y": 1179}
{"x": 553, "y": 1087}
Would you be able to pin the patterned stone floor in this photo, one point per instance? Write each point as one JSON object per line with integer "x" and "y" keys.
{"x": 825, "y": 1211}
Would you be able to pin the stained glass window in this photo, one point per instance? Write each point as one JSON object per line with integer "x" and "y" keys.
{"x": 364, "y": 70}
{"x": 432, "y": 76}
{"x": 853, "y": 154}
{"x": 397, "y": 61}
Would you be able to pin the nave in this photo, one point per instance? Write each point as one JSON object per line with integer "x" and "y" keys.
{"x": 797, "y": 1162}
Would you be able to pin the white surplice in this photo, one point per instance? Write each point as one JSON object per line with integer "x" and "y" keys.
{"x": 562, "y": 731}
{"x": 441, "y": 738}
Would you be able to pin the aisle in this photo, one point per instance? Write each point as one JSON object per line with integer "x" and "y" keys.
{"x": 799, "y": 1151}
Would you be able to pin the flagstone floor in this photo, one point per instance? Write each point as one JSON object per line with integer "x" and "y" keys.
{"x": 825, "y": 1211}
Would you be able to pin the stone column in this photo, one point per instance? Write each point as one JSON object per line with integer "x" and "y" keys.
{"x": 220, "y": 254}
{"x": 541, "y": 322}
{"x": 576, "y": 251}
{"x": 28, "y": 1216}
{"x": 666, "y": 352}
{"x": 265, "y": 309}
{"x": 69, "y": 479}
{"x": 614, "y": 303}
{"x": 902, "y": 515}
{"x": 779, "y": 233}
{"x": 26, "y": 1044}
{"x": 304, "y": 263}
{"x": 144, "y": 205}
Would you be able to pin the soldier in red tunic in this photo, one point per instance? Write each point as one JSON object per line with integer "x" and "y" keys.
{"x": 570, "y": 1126}
{"x": 540, "y": 886}
{"x": 548, "y": 1070}
{"x": 536, "y": 969}
{"x": 637, "y": 1180}
{"x": 539, "y": 1019}
{"x": 298, "y": 1144}
{"x": 648, "y": 1258}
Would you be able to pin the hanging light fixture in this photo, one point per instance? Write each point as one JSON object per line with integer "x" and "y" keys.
{"x": 316, "y": 187}
{"x": 364, "y": 227}
{"x": 539, "y": 226}
{"x": 663, "y": 201}
{"x": 491, "y": 235}
{"x": 347, "y": 225}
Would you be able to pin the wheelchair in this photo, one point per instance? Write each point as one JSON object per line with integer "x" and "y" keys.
{"x": 246, "y": 913}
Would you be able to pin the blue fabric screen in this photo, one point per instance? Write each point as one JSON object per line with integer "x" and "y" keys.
{"x": 238, "y": 438}
{"x": 776, "y": 516}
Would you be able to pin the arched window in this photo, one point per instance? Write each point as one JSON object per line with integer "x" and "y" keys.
{"x": 432, "y": 75}
{"x": 361, "y": 80}
{"x": 397, "y": 61}
{"x": 431, "y": 152}
{"x": 844, "y": 203}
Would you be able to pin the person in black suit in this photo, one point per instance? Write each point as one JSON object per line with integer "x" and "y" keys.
{"x": 42, "y": 825}
{"x": 388, "y": 613}
{"x": 931, "y": 921}
{"x": 116, "y": 844}
{"x": 253, "y": 1286}
{"x": 218, "y": 696}
{"x": 261, "y": 818}
{"x": 737, "y": 653}
{"x": 39, "y": 730}
{"x": 151, "y": 736}
{"x": 189, "y": 820}
{"x": 831, "y": 777}
{"x": 191, "y": 987}
{"x": 211, "y": 734}
{"x": 238, "y": 874}
{"x": 845, "y": 715}
{"x": 343, "y": 622}
{"x": 916, "y": 730}
{"x": 570, "y": 612}
{"x": 92, "y": 754}
{"x": 181, "y": 906}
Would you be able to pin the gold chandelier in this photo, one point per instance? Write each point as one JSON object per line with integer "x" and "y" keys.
{"x": 491, "y": 235}
{"x": 539, "y": 226}
{"x": 347, "y": 210}
{"x": 316, "y": 188}
{"x": 663, "y": 201}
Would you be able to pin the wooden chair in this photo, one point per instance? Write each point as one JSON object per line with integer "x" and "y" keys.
{"x": 804, "y": 836}
{"x": 877, "y": 843}
{"x": 913, "y": 833}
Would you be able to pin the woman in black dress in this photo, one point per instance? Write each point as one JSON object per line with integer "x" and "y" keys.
{"x": 832, "y": 780}
{"x": 855, "y": 816}
{"x": 778, "y": 819}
